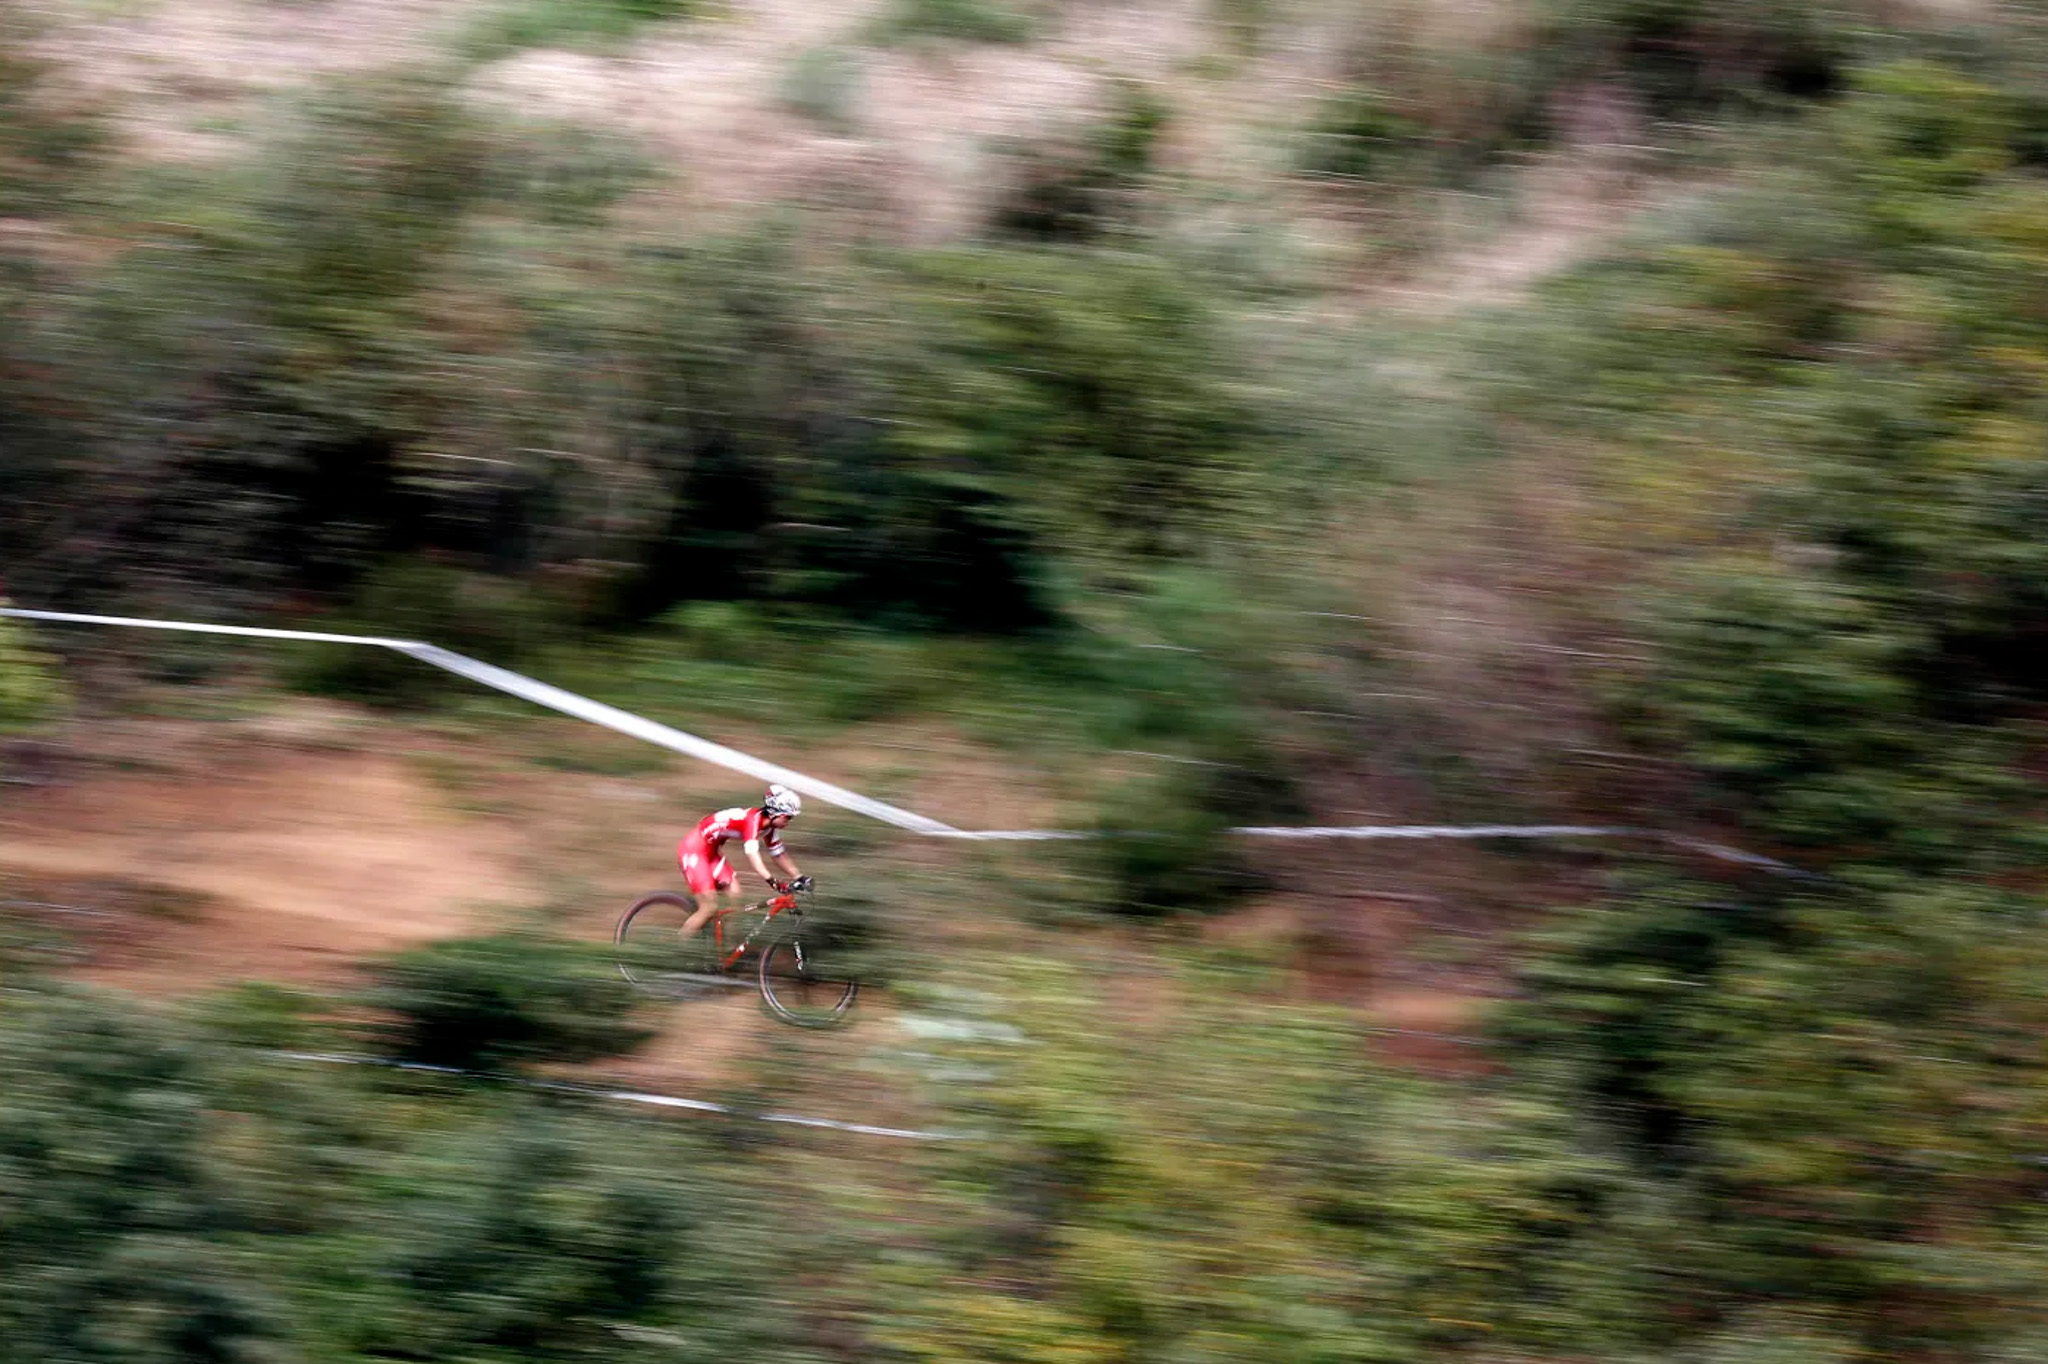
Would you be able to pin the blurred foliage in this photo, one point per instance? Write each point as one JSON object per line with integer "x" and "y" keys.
{"x": 565, "y": 174}
{"x": 232, "y": 391}
{"x": 168, "y": 1198}
{"x": 1165, "y": 848}
{"x": 974, "y": 21}
{"x": 388, "y": 334}
{"x": 120, "y": 1218}
{"x": 490, "y": 1004}
{"x": 1269, "y": 1194}
{"x": 1080, "y": 185}
{"x": 1431, "y": 98}
{"x": 826, "y": 84}
{"x": 30, "y": 689}
{"x": 421, "y": 374}
{"x": 510, "y": 26}
{"x": 1843, "y": 1073}
{"x": 481, "y": 614}
{"x": 1694, "y": 56}
{"x": 48, "y": 132}
{"x": 1357, "y": 135}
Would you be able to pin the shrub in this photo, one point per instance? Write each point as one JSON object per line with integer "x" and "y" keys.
{"x": 516, "y": 25}
{"x": 1791, "y": 699}
{"x": 30, "y": 692}
{"x": 1685, "y": 57}
{"x": 260, "y": 1014}
{"x": 1165, "y": 841}
{"x": 1088, "y": 401}
{"x": 497, "y": 619}
{"x": 496, "y": 1003}
{"x": 974, "y": 21}
{"x": 239, "y": 382}
{"x": 118, "y": 1235}
{"x": 825, "y": 85}
{"x": 46, "y": 134}
{"x": 563, "y": 173}
{"x": 538, "y": 1238}
{"x": 1431, "y": 100}
{"x": 1358, "y": 135}
{"x": 1079, "y": 185}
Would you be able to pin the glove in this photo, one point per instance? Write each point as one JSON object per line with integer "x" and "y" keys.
{"x": 800, "y": 885}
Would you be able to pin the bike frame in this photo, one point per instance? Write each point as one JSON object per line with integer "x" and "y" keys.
{"x": 775, "y": 906}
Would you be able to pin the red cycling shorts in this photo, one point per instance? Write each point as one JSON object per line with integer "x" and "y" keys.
{"x": 703, "y": 867}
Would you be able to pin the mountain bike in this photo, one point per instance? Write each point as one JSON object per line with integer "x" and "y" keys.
{"x": 799, "y": 978}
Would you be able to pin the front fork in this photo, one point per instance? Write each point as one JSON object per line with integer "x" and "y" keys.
{"x": 796, "y": 944}
{"x": 796, "y": 916}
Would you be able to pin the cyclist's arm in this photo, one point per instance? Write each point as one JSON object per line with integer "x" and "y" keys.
{"x": 753, "y": 851}
{"x": 758, "y": 834}
{"x": 782, "y": 860}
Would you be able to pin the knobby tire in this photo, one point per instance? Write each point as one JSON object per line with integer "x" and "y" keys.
{"x": 807, "y": 998}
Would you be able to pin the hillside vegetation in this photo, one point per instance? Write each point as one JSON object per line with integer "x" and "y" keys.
{"x": 1732, "y": 529}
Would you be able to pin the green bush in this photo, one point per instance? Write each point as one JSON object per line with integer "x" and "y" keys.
{"x": 1092, "y": 403}
{"x": 48, "y": 135}
{"x": 1081, "y": 185}
{"x": 256, "y": 347}
{"x": 499, "y": 620}
{"x": 118, "y": 1239}
{"x": 565, "y": 174}
{"x": 497, "y": 1003}
{"x": 1792, "y": 700}
{"x": 974, "y": 21}
{"x": 515, "y": 25}
{"x": 1427, "y": 103}
{"x": 1165, "y": 845}
{"x": 1096, "y": 1215}
{"x": 1358, "y": 135}
{"x": 260, "y": 1014}
{"x": 825, "y": 85}
{"x": 30, "y": 690}
{"x": 1832, "y": 386}
{"x": 1689, "y": 57}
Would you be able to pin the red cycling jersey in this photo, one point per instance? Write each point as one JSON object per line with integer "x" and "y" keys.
{"x": 701, "y": 854}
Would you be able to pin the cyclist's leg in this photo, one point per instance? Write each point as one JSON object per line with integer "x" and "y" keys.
{"x": 710, "y": 876}
{"x": 699, "y": 865}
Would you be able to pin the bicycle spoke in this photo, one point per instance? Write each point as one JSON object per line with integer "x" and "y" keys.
{"x": 657, "y": 954}
{"x": 798, "y": 987}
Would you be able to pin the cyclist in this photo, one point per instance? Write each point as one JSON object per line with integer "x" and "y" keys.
{"x": 759, "y": 828}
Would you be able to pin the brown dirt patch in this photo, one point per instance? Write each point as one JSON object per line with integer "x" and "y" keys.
{"x": 279, "y": 861}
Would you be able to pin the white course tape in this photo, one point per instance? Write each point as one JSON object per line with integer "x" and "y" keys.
{"x": 639, "y": 727}
{"x": 625, "y": 722}
{"x": 540, "y": 693}
{"x": 1436, "y": 831}
{"x": 195, "y": 627}
{"x": 631, "y": 1096}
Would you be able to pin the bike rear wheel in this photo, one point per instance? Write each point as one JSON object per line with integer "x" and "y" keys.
{"x": 802, "y": 990}
{"x": 658, "y": 956}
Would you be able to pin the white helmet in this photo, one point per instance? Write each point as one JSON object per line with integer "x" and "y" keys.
{"x": 783, "y": 801}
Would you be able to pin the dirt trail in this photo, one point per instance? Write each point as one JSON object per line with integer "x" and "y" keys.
{"x": 177, "y": 856}
{"x": 260, "y": 860}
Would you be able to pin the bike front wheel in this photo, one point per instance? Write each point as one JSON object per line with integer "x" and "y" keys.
{"x": 656, "y": 954}
{"x": 799, "y": 989}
